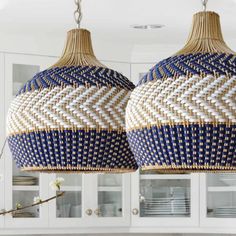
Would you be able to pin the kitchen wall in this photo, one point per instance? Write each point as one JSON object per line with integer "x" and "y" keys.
{"x": 155, "y": 52}
{"x": 51, "y": 45}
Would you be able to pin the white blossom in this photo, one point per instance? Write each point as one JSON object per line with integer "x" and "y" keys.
{"x": 56, "y": 184}
{"x": 18, "y": 206}
{"x": 37, "y": 200}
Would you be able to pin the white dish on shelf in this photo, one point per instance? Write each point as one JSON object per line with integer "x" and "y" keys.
{"x": 24, "y": 183}
{"x": 167, "y": 199}
{"x": 225, "y": 211}
{"x": 24, "y": 180}
{"x": 166, "y": 213}
{"x": 23, "y": 215}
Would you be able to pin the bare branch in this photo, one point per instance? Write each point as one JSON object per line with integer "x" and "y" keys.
{"x": 3, "y": 147}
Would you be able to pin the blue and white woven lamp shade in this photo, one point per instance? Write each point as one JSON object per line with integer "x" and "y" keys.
{"x": 181, "y": 117}
{"x": 71, "y": 117}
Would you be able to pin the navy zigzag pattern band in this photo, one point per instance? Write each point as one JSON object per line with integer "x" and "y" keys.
{"x": 75, "y": 149}
{"x": 192, "y": 64}
{"x": 76, "y": 76}
{"x": 205, "y": 146}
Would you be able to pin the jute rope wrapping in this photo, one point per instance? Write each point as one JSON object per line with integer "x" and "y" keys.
{"x": 205, "y": 35}
{"x": 182, "y": 115}
{"x": 71, "y": 117}
{"x": 78, "y": 50}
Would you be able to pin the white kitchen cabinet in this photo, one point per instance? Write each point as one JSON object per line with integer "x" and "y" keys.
{"x": 218, "y": 200}
{"x": 91, "y": 200}
{"x": 164, "y": 200}
{"x": 68, "y": 209}
{"x": 18, "y": 189}
{"x": 111, "y": 197}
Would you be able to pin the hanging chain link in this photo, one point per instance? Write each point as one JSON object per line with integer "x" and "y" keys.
{"x": 78, "y": 13}
{"x": 204, "y": 4}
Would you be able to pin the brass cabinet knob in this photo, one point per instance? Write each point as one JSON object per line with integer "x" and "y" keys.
{"x": 97, "y": 212}
{"x": 135, "y": 211}
{"x": 89, "y": 212}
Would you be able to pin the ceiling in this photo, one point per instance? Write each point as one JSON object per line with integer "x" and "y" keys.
{"x": 111, "y": 19}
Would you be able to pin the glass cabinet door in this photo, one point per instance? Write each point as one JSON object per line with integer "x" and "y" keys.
{"x": 25, "y": 186}
{"x": 218, "y": 199}
{"x": 111, "y": 204}
{"x": 22, "y": 187}
{"x": 70, "y": 205}
{"x": 109, "y": 195}
{"x": 91, "y": 200}
{"x": 160, "y": 200}
{"x": 68, "y": 209}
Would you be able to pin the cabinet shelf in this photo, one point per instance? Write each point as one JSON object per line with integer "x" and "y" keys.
{"x": 110, "y": 189}
{"x": 25, "y": 188}
{"x": 71, "y": 188}
{"x": 156, "y": 176}
{"x": 222, "y": 189}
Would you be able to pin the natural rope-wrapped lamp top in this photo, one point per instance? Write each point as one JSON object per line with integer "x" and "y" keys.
{"x": 71, "y": 117}
{"x": 181, "y": 117}
{"x": 78, "y": 50}
{"x": 205, "y": 35}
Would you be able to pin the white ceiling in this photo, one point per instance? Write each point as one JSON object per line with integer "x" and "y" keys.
{"x": 111, "y": 19}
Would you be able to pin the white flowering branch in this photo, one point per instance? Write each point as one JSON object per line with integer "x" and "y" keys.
{"x": 55, "y": 185}
{"x": 39, "y": 202}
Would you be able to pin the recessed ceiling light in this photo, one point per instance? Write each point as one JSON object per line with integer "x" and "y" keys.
{"x": 147, "y": 27}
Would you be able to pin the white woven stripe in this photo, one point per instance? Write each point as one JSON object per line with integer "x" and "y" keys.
{"x": 93, "y": 107}
{"x": 181, "y": 100}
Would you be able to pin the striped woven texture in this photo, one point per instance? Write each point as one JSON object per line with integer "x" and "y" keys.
{"x": 77, "y": 76}
{"x": 192, "y": 64}
{"x": 71, "y": 119}
{"x": 182, "y": 115}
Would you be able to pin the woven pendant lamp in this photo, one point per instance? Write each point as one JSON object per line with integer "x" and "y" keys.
{"x": 71, "y": 117}
{"x": 181, "y": 117}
